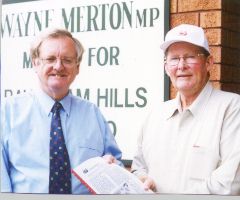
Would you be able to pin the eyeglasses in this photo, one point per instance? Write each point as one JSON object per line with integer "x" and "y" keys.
{"x": 189, "y": 59}
{"x": 67, "y": 62}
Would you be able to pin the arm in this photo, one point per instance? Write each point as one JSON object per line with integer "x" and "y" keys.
{"x": 110, "y": 145}
{"x": 226, "y": 178}
{"x": 6, "y": 185}
{"x": 111, "y": 153}
{"x": 139, "y": 167}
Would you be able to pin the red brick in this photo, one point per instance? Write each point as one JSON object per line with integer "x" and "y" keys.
{"x": 215, "y": 72}
{"x": 197, "y": 5}
{"x": 225, "y": 73}
{"x": 173, "y": 6}
{"x": 216, "y": 53}
{"x": 187, "y": 18}
{"x": 213, "y": 36}
{"x": 210, "y": 19}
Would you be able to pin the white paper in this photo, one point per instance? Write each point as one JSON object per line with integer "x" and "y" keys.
{"x": 103, "y": 178}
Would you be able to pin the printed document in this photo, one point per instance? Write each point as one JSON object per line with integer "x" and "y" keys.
{"x": 103, "y": 178}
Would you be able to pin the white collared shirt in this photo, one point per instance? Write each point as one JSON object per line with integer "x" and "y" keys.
{"x": 194, "y": 151}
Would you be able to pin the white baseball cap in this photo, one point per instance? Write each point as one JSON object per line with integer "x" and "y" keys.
{"x": 186, "y": 33}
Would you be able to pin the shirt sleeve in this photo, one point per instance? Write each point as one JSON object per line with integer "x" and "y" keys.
{"x": 139, "y": 167}
{"x": 110, "y": 145}
{"x": 6, "y": 185}
{"x": 5, "y": 178}
{"x": 226, "y": 178}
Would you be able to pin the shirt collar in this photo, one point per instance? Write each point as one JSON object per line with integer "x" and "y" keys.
{"x": 195, "y": 107}
{"x": 198, "y": 105}
{"x": 47, "y": 102}
{"x": 173, "y": 107}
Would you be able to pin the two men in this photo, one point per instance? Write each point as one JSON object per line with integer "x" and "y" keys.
{"x": 191, "y": 144}
{"x": 188, "y": 145}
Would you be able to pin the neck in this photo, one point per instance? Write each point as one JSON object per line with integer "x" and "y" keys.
{"x": 188, "y": 97}
{"x": 57, "y": 96}
{"x": 186, "y": 101}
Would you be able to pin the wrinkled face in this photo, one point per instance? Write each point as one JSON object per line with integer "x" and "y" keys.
{"x": 190, "y": 74}
{"x": 56, "y": 66}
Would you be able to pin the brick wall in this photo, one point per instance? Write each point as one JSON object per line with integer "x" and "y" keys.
{"x": 221, "y": 22}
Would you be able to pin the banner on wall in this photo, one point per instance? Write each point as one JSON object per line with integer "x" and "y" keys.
{"x": 122, "y": 69}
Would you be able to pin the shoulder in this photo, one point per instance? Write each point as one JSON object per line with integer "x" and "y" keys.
{"x": 17, "y": 107}
{"x": 86, "y": 110}
{"x": 83, "y": 105}
{"x": 78, "y": 101}
{"x": 226, "y": 98}
{"x": 164, "y": 106}
{"x": 162, "y": 110}
{"x": 21, "y": 100}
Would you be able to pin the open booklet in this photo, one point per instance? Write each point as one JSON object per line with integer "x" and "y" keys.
{"x": 103, "y": 178}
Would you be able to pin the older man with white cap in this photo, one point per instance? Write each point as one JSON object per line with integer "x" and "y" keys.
{"x": 191, "y": 144}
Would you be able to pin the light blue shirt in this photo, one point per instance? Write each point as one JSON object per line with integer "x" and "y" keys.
{"x": 25, "y": 136}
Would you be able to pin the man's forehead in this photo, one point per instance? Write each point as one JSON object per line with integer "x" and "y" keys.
{"x": 183, "y": 46}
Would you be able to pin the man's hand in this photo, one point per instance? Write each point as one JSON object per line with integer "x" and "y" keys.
{"x": 148, "y": 183}
{"x": 110, "y": 159}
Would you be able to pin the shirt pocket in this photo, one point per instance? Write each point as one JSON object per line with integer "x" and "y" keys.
{"x": 203, "y": 161}
{"x": 90, "y": 150}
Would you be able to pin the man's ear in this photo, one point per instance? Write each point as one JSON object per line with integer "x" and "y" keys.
{"x": 209, "y": 63}
{"x": 78, "y": 68}
{"x": 166, "y": 69}
{"x": 35, "y": 64}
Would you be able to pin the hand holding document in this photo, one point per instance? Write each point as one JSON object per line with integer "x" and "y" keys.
{"x": 103, "y": 178}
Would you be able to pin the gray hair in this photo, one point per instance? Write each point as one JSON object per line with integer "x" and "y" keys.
{"x": 55, "y": 33}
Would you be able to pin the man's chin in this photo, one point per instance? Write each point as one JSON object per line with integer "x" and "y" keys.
{"x": 184, "y": 87}
{"x": 56, "y": 89}
{"x": 57, "y": 84}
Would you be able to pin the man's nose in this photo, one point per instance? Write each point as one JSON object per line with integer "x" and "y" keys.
{"x": 58, "y": 65}
{"x": 181, "y": 64}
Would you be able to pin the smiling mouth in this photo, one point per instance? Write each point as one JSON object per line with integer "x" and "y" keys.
{"x": 183, "y": 76}
{"x": 58, "y": 75}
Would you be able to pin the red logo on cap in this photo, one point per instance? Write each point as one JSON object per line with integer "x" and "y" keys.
{"x": 183, "y": 33}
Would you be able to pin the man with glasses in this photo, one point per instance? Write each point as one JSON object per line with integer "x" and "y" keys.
{"x": 191, "y": 144}
{"x": 47, "y": 132}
